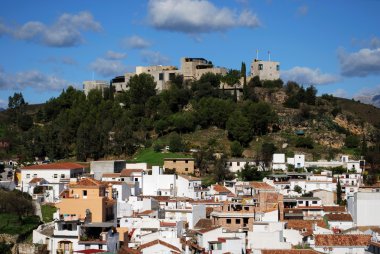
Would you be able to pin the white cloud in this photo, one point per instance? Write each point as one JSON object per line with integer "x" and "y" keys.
{"x": 340, "y": 93}
{"x": 136, "y": 42}
{"x": 3, "y": 104}
{"x": 154, "y": 58}
{"x": 31, "y": 79}
{"x": 61, "y": 60}
{"x": 308, "y": 76}
{"x": 375, "y": 42}
{"x": 362, "y": 63}
{"x": 369, "y": 96}
{"x": 65, "y": 32}
{"x": 112, "y": 55}
{"x": 303, "y": 10}
{"x": 197, "y": 16}
{"x": 107, "y": 67}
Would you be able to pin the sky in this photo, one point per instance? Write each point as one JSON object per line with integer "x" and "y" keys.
{"x": 47, "y": 45}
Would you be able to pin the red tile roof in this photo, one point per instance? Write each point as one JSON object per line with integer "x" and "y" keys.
{"x": 55, "y": 166}
{"x": 128, "y": 172}
{"x": 190, "y": 178}
{"x": 111, "y": 175}
{"x": 152, "y": 243}
{"x": 167, "y": 224}
{"x": 261, "y": 186}
{"x": 220, "y": 189}
{"x": 342, "y": 240}
{"x": 36, "y": 180}
{"x": 203, "y": 223}
{"x": 306, "y": 226}
{"x": 338, "y": 217}
{"x": 334, "y": 209}
{"x": 87, "y": 182}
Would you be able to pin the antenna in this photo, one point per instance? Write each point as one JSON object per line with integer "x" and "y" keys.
{"x": 257, "y": 54}
{"x": 269, "y": 55}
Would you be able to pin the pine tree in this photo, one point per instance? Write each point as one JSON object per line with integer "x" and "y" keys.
{"x": 338, "y": 192}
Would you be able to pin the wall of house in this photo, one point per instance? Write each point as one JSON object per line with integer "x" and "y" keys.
{"x": 342, "y": 225}
{"x": 158, "y": 184}
{"x": 366, "y": 206}
{"x": 267, "y": 240}
{"x": 269, "y": 70}
{"x": 181, "y": 166}
{"x": 292, "y": 236}
{"x": 98, "y": 168}
{"x": 50, "y": 175}
{"x": 327, "y": 197}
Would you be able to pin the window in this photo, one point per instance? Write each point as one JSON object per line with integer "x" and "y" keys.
{"x": 246, "y": 208}
{"x": 171, "y": 76}
{"x": 278, "y": 67}
{"x": 238, "y": 163}
{"x": 27, "y": 175}
{"x": 174, "y": 161}
{"x": 186, "y": 161}
{"x": 237, "y": 221}
{"x": 136, "y": 179}
{"x": 161, "y": 76}
{"x": 34, "y": 175}
{"x": 186, "y": 169}
{"x": 100, "y": 246}
{"x": 62, "y": 175}
{"x": 228, "y": 221}
{"x": 84, "y": 193}
{"x": 55, "y": 175}
{"x": 261, "y": 67}
{"x": 315, "y": 202}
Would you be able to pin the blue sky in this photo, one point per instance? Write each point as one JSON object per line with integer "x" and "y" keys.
{"x": 47, "y": 45}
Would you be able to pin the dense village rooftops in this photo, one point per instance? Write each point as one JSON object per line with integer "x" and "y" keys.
{"x": 152, "y": 243}
{"x": 261, "y": 185}
{"x": 293, "y": 251}
{"x": 87, "y": 182}
{"x": 55, "y": 166}
{"x": 334, "y": 209}
{"x": 341, "y": 240}
{"x": 203, "y": 223}
{"x": 129, "y": 172}
{"x": 220, "y": 189}
{"x": 338, "y": 217}
{"x": 306, "y": 226}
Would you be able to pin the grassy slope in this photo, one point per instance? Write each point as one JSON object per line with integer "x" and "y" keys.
{"x": 10, "y": 224}
{"x": 47, "y": 212}
{"x": 156, "y": 159}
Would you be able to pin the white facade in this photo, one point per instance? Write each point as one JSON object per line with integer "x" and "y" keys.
{"x": 266, "y": 70}
{"x": 158, "y": 184}
{"x": 235, "y": 165}
{"x": 187, "y": 187}
{"x": 53, "y": 176}
{"x": 365, "y": 208}
{"x": 278, "y": 162}
{"x": 94, "y": 84}
{"x": 298, "y": 161}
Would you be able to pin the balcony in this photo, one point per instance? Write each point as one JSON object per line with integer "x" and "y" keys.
{"x": 62, "y": 251}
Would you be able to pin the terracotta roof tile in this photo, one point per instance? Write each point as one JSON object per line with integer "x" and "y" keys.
{"x": 220, "y": 189}
{"x": 334, "y": 209}
{"x": 167, "y": 224}
{"x": 53, "y": 166}
{"x": 306, "y": 226}
{"x": 152, "y": 243}
{"x": 36, "y": 180}
{"x": 261, "y": 186}
{"x": 190, "y": 178}
{"x": 128, "y": 172}
{"x": 111, "y": 175}
{"x": 338, "y": 217}
{"x": 203, "y": 224}
{"x": 87, "y": 182}
{"x": 342, "y": 240}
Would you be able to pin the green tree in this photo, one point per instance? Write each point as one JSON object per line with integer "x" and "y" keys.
{"x": 267, "y": 151}
{"x": 298, "y": 189}
{"x": 238, "y": 128}
{"x": 351, "y": 141}
{"x": 338, "y": 192}
{"x": 311, "y": 95}
{"x": 243, "y": 72}
{"x": 260, "y": 116}
{"x": 175, "y": 143}
{"x": 236, "y": 149}
{"x": 141, "y": 88}
{"x": 232, "y": 77}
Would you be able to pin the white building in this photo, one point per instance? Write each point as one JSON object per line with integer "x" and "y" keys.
{"x": 278, "y": 162}
{"x": 190, "y": 187}
{"x": 158, "y": 184}
{"x": 237, "y": 164}
{"x": 341, "y": 244}
{"x": 265, "y": 70}
{"x": 298, "y": 161}
{"x": 94, "y": 84}
{"x": 53, "y": 173}
{"x": 364, "y": 208}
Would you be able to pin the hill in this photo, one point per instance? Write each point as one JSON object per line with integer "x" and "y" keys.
{"x": 268, "y": 117}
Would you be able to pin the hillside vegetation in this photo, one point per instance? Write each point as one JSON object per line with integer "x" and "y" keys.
{"x": 197, "y": 115}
